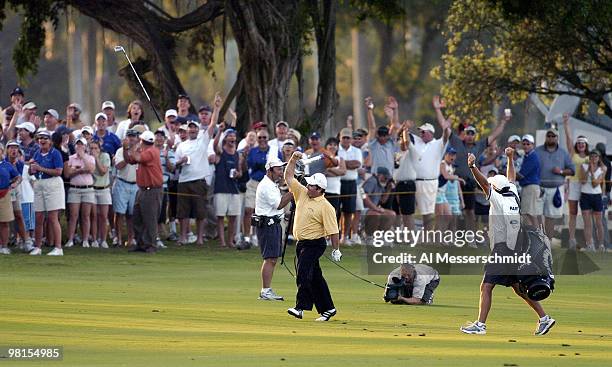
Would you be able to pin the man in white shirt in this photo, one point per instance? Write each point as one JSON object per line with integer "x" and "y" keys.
{"x": 281, "y": 131}
{"x": 429, "y": 153}
{"x": 124, "y": 190}
{"x": 192, "y": 157}
{"x": 269, "y": 204}
{"x": 504, "y": 226}
{"x": 353, "y": 159}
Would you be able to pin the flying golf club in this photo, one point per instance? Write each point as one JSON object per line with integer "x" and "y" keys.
{"x": 121, "y": 49}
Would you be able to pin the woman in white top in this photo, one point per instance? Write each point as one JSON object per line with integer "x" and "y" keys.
{"x": 333, "y": 174}
{"x": 592, "y": 176}
{"x": 135, "y": 114}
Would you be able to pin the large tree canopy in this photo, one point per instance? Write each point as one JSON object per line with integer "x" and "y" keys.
{"x": 508, "y": 48}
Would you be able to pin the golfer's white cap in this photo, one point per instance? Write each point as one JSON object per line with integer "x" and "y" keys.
{"x": 274, "y": 163}
{"x": 147, "y": 136}
{"x": 427, "y": 127}
{"x": 498, "y": 181}
{"x": 101, "y": 115}
{"x": 108, "y": 104}
{"x": 317, "y": 179}
{"x": 171, "y": 112}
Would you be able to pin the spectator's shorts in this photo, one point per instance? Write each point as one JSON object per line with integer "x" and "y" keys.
{"x": 49, "y": 194}
{"x": 592, "y": 202}
{"x": 348, "y": 201}
{"x": 103, "y": 196}
{"x": 531, "y": 200}
{"x": 124, "y": 197}
{"x": 550, "y": 211}
{"x": 227, "y": 204}
{"x": 249, "y": 198}
{"x": 426, "y": 191}
{"x": 406, "y": 197}
{"x": 468, "y": 189}
{"x": 574, "y": 190}
{"x": 6, "y": 209}
{"x": 78, "y": 196}
{"x": 192, "y": 199}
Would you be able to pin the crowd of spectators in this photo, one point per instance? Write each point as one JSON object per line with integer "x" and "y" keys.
{"x": 123, "y": 183}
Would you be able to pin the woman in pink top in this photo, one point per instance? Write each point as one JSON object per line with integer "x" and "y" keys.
{"x": 81, "y": 196}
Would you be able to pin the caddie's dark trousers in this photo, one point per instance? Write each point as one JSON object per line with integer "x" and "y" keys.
{"x": 312, "y": 288}
{"x": 146, "y": 212}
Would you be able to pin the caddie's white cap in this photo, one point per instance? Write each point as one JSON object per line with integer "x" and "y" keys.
{"x": 108, "y": 104}
{"x": 427, "y": 127}
{"x": 274, "y": 163}
{"x": 499, "y": 181}
{"x": 318, "y": 179}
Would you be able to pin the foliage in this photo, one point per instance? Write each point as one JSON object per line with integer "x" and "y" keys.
{"x": 500, "y": 49}
{"x": 32, "y": 37}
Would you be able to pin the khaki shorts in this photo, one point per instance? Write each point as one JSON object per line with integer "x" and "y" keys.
{"x": 191, "y": 202}
{"x": 249, "y": 198}
{"x": 227, "y": 204}
{"x": 6, "y": 209}
{"x": 531, "y": 201}
{"x": 426, "y": 192}
{"x": 103, "y": 196}
{"x": 78, "y": 196}
{"x": 49, "y": 194}
{"x": 550, "y": 211}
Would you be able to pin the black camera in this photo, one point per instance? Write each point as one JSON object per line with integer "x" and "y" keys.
{"x": 393, "y": 289}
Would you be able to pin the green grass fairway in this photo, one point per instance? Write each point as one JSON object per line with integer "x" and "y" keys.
{"x": 198, "y": 307}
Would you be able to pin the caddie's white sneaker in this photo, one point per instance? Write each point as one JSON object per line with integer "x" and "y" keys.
{"x": 269, "y": 295}
{"x": 474, "y": 328}
{"x": 544, "y": 325}
{"x": 36, "y": 251}
{"x": 325, "y": 316}
{"x": 56, "y": 252}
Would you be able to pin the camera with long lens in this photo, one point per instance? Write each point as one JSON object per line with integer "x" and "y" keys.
{"x": 394, "y": 289}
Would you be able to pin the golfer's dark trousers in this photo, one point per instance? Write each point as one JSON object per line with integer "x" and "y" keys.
{"x": 146, "y": 212}
{"x": 312, "y": 288}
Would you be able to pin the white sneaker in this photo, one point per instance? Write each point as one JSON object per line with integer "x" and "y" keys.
{"x": 68, "y": 244}
{"x": 544, "y": 325}
{"x": 269, "y": 295}
{"x": 5, "y": 251}
{"x": 191, "y": 238}
{"x": 56, "y": 252}
{"x": 115, "y": 241}
{"x": 474, "y": 328}
{"x": 254, "y": 241}
{"x": 159, "y": 244}
{"x": 356, "y": 240}
{"x": 36, "y": 251}
{"x": 325, "y": 316}
{"x": 346, "y": 241}
{"x": 132, "y": 242}
{"x": 94, "y": 244}
{"x": 85, "y": 244}
{"x": 103, "y": 244}
{"x": 27, "y": 247}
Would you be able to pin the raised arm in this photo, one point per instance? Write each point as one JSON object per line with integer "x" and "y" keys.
{"x": 290, "y": 169}
{"x": 438, "y": 105}
{"x": 215, "y": 115}
{"x": 498, "y": 129}
{"x": 480, "y": 178}
{"x": 510, "y": 172}
{"x": 568, "y": 134}
{"x": 371, "y": 122}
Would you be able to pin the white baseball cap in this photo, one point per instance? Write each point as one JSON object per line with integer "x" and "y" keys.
{"x": 427, "y": 127}
{"x": 171, "y": 112}
{"x": 274, "y": 163}
{"x": 27, "y": 125}
{"x": 82, "y": 141}
{"x": 499, "y": 181}
{"x": 29, "y": 106}
{"x": 108, "y": 104}
{"x": 101, "y": 115}
{"x": 147, "y": 136}
{"x": 529, "y": 138}
{"x": 514, "y": 138}
{"x": 52, "y": 112}
{"x": 87, "y": 129}
{"x": 318, "y": 179}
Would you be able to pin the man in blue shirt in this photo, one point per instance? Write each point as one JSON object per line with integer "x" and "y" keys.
{"x": 555, "y": 166}
{"x": 529, "y": 179}
{"x": 108, "y": 140}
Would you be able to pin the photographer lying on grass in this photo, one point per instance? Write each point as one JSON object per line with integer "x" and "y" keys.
{"x": 412, "y": 285}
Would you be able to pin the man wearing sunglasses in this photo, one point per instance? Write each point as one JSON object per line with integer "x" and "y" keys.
{"x": 529, "y": 179}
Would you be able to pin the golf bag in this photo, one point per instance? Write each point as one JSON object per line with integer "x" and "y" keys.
{"x": 536, "y": 279}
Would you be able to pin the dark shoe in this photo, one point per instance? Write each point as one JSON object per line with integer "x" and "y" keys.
{"x": 296, "y": 312}
{"x": 135, "y": 248}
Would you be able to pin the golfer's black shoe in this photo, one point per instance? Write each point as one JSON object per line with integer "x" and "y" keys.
{"x": 325, "y": 316}
{"x": 296, "y": 312}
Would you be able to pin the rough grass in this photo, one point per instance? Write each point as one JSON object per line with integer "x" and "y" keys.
{"x": 198, "y": 307}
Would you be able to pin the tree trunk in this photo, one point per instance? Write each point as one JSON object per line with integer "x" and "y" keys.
{"x": 358, "y": 56}
{"x": 269, "y": 42}
{"x": 323, "y": 14}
